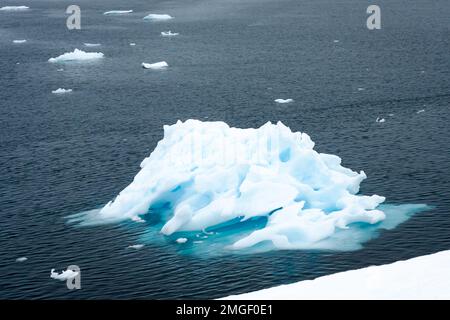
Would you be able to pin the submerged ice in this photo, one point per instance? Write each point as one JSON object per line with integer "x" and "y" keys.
{"x": 263, "y": 187}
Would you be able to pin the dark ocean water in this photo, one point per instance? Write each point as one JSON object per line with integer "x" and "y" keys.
{"x": 61, "y": 155}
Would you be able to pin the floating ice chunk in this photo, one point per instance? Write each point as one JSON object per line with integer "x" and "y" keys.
{"x": 283, "y": 101}
{"x": 361, "y": 89}
{"x": 59, "y": 70}
{"x": 14, "y": 8}
{"x": 155, "y": 66}
{"x": 158, "y": 17}
{"x": 210, "y": 174}
{"x": 77, "y": 55}
{"x": 132, "y": 44}
{"x": 87, "y": 44}
{"x": 136, "y": 246}
{"x": 136, "y": 218}
{"x": 169, "y": 34}
{"x": 61, "y": 91}
{"x": 117, "y": 12}
{"x": 335, "y": 41}
{"x": 19, "y": 41}
{"x": 380, "y": 120}
{"x": 182, "y": 240}
{"x": 64, "y": 275}
{"x": 420, "y": 111}
{"x": 21, "y": 259}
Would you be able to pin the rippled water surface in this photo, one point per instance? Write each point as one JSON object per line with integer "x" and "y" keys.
{"x": 61, "y": 155}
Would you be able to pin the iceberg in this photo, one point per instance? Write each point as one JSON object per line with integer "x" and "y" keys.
{"x": 61, "y": 91}
{"x": 424, "y": 277}
{"x": 283, "y": 101}
{"x": 14, "y": 8}
{"x": 158, "y": 17}
{"x": 21, "y": 259}
{"x": 169, "y": 34}
{"x": 117, "y": 12}
{"x": 19, "y": 41}
{"x": 155, "y": 66}
{"x": 77, "y": 55}
{"x": 267, "y": 184}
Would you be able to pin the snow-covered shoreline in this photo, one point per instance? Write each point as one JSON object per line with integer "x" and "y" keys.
{"x": 424, "y": 277}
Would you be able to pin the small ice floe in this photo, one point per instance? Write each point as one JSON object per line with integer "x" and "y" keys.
{"x": 77, "y": 55}
{"x": 335, "y": 41}
{"x": 136, "y": 246}
{"x": 155, "y": 66}
{"x": 390, "y": 114}
{"x": 136, "y": 218}
{"x": 283, "y": 101}
{"x": 19, "y": 41}
{"x": 380, "y": 120}
{"x": 182, "y": 240}
{"x": 87, "y": 44}
{"x": 423, "y": 71}
{"x": 420, "y": 111}
{"x": 132, "y": 44}
{"x": 14, "y": 8}
{"x": 169, "y": 34}
{"x": 361, "y": 89}
{"x": 21, "y": 259}
{"x": 117, "y": 12}
{"x": 59, "y": 70}
{"x": 67, "y": 274}
{"x": 61, "y": 91}
{"x": 158, "y": 17}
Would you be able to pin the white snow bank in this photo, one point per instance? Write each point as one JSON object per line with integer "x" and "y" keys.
{"x": 64, "y": 275}
{"x": 14, "y": 8}
{"x": 169, "y": 34}
{"x": 211, "y": 174}
{"x": 117, "y": 12}
{"x": 158, "y": 17}
{"x": 19, "y": 41}
{"x": 61, "y": 91}
{"x": 423, "y": 277}
{"x": 155, "y": 66}
{"x": 87, "y": 44}
{"x": 283, "y": 101}
{"x": 77, "y": 55}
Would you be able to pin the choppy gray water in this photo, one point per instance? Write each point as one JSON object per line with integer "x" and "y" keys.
{"x": 62, "y": 155}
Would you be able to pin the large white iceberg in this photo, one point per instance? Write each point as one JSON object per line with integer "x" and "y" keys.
{"x": 14, "y": 8}
{"x": 77, "y": 55}
{"x": 423, "y": 277}
{"x": 209, "y": 174}
{"x": 158, "y": 17}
